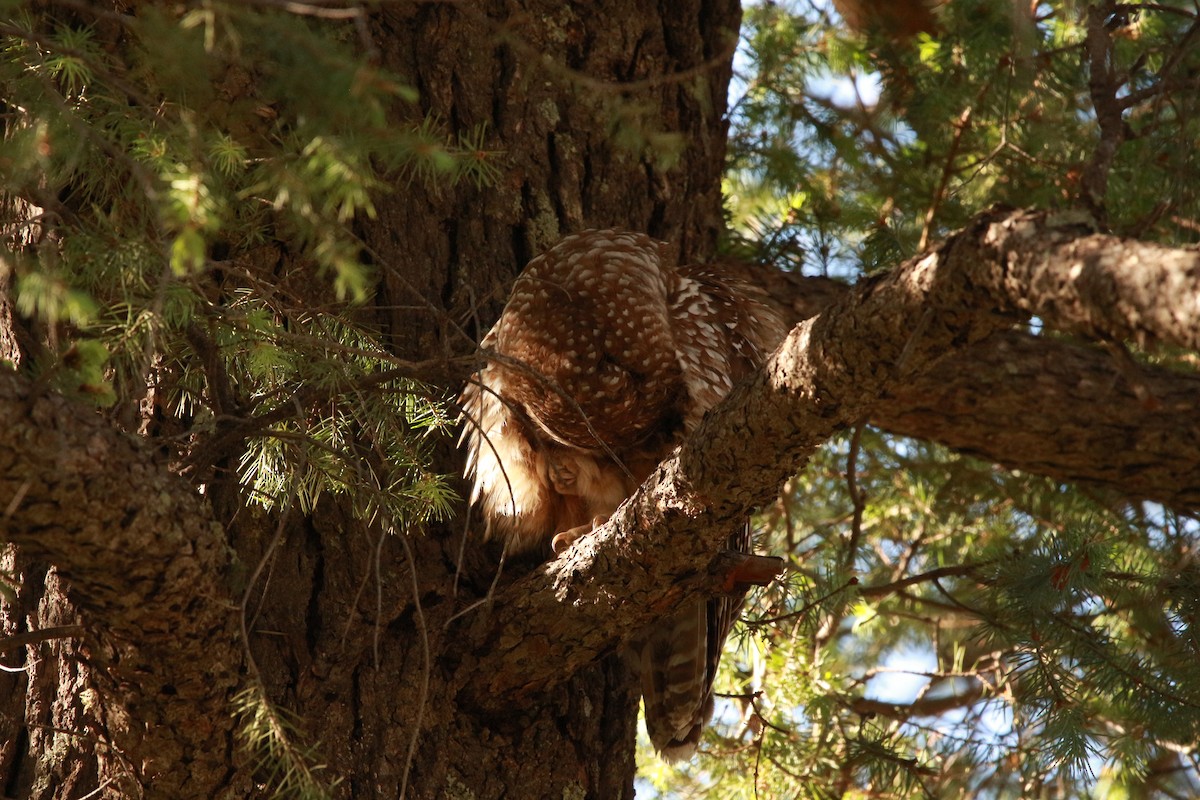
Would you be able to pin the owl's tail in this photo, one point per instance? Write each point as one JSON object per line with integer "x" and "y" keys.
{"x": 676, "y": 681}
{"x": 679, "y": 659}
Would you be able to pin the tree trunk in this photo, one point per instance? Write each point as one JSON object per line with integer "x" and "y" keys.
{"x": 546, "y": 84}
{"x": 593, "y": 115}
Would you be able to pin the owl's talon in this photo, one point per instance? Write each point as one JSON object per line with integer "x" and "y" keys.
{"x": 562, "y": 541}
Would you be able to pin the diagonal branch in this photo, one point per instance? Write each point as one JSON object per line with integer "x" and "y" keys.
{"x": 143, "y": 551}
{"x": 832, "y": 370}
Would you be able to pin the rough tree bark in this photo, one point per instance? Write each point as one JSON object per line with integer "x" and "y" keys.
{"x": 413, "y": 685}
{"x": 1133, "y": 433}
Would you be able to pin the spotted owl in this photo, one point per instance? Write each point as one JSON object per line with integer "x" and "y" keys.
{"x": 605, "y": 357}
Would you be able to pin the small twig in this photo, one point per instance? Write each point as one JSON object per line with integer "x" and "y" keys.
{"x": 268, "y": 558}
{"x": 961, "y": 126}
{"x": 473, "y": 422}
{"x": 857, "y": 496}
{"x": 222, "y": 395}
{"x": 363, "y": 28}
{"x": 762, "y": 735}
{"x": 378, "y": 626}
{"x": 1162, "y": 87}
{"x": 41, "y": 635}
{"x": 96, "y": 792}
{"x": 922, "y": 707}
{"x": 554, "y": 387}
{"x": 1157, "y": 7}
{"x": 934, "y": 575}
{"x": 17, "y": 497}
{"x": 939, "y": 194}
{"x": 473, "y": 305}
{"x": 1103, "y": 84}
{"x": 246, "y": 625}
{"x": 313, "y": 10}
{"x": 807, "y": 607}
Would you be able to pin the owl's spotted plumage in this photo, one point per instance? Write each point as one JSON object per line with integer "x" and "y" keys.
{"x": 607, "y": 355}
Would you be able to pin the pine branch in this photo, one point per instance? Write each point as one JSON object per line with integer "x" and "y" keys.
{"x": 925, "y": 706}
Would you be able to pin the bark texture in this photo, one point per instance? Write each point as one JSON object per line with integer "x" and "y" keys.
{"x": 1058, "y": 406}
{"x": 150, "y": 563}
{"x": 1077, "y": 414}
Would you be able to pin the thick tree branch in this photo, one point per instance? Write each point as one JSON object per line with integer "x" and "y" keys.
{"x": 1043, "y": 405}
{"x": 832, "y": 370}
{"x": 147, "y": 563}
{"x": 1098, "y": 286}
{"x": 926, "y": 706}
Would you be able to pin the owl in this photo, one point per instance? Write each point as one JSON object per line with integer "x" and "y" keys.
{"x": 605, "y": 357}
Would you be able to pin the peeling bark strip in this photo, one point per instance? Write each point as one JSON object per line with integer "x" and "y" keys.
{"x": 147, "y": 562}
{"x": 831, "y": 371}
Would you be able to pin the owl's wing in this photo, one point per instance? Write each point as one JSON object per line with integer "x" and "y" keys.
{"x": 610, "y": 351}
